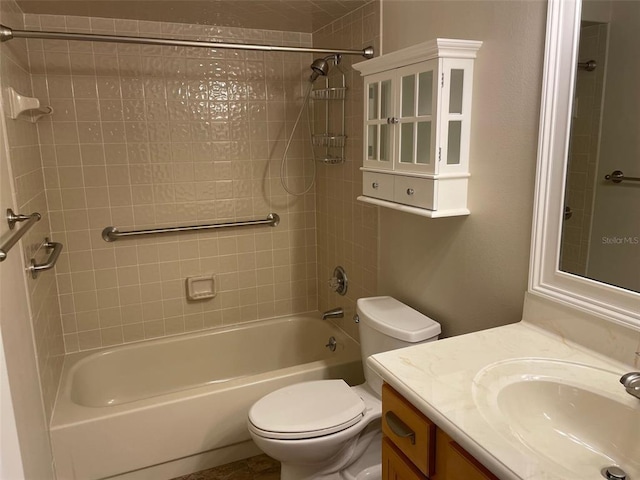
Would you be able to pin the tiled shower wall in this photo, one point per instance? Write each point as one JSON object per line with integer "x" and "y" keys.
{"x": 26, "y": 169}
{"x": 145, "y": 136}
{"x": 348, "y": 229}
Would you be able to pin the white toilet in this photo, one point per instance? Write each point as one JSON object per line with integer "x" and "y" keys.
{"x": 325, "y": 429}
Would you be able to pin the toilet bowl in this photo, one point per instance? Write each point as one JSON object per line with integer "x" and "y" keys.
{"x": 326, "y": 429}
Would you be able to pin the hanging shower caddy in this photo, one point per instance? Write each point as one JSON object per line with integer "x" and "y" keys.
{"x": 328, "y": 117}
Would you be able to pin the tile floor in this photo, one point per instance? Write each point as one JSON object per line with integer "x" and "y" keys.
{"x": 261, "y": 467}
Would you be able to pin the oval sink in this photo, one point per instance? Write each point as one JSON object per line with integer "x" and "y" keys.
{"x": 576, "y": 416}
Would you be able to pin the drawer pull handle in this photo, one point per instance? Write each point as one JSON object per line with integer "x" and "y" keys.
{"x": 400, "y": 428}
{"x": 410, "y": 191}
{"x": 393, "y": 120}
{"x": 375, "y": 185}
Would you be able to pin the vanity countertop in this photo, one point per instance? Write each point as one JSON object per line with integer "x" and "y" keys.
{"x": 441, "y": 379}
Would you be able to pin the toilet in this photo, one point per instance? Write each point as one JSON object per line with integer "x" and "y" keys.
{"x": 326, "y": 429}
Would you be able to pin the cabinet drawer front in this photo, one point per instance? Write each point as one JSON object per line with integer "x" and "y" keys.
{"x": 415, "y": 191}
{"x": 377, "y": 185}
{"x": 409, "y": 430}
{"x": 460, "y": 464}
{"x": 395, "y": 466}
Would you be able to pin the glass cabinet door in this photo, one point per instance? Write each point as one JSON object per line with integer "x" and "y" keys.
{"x": 455, "y": 115}
{"x": 417, "y": 99}
{"x": 378, "y": 124}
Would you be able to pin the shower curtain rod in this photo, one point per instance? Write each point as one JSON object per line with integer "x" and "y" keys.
{"x": 7, "y": 33}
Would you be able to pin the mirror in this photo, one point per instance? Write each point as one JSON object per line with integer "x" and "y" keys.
{"x": 602, "y": 295}
{"x": 601, "y": 228}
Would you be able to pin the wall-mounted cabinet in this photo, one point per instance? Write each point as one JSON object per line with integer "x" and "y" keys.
{"x": 417, "y": 124}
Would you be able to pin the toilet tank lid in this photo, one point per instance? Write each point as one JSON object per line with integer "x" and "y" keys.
{"x": 397, "y": 320}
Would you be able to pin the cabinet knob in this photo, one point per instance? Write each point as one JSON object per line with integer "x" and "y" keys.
{"x": 375, "y": 185}
{"x": 393, "y": 120}
{"x": 410, "y": 191}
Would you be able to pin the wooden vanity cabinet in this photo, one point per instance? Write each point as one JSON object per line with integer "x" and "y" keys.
{"x": 395, "y": 466}
{"x": 414, "y": 448}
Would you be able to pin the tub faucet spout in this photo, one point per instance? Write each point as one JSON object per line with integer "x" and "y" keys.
{"x": 333, "y": 313}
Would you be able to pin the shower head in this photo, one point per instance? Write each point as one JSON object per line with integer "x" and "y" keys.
{"x": 320, "y": 66}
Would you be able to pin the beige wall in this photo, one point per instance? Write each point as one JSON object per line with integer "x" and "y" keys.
{"x": 29, "y": 318}
{"x": 147, "y": 136}
{"x": 348, "y": 229}
{"x": 470, "y": 273}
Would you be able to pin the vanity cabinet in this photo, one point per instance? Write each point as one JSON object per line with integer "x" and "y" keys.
{"x": 414, "y": 448}
{"x": 417, "y": 124}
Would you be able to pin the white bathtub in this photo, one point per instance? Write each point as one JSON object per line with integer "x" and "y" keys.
{"x": 184, "y": 400}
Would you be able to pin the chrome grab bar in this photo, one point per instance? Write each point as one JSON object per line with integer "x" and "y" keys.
{"x": 36, "y": 268}
{"x": 618, "y": 176}
{"x": 12, "y": 218}
{"x": 111, "y": 234}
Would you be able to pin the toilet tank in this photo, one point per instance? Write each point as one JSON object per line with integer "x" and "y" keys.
{"x": 387, "y": 324}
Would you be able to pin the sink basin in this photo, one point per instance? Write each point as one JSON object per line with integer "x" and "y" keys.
{"x": 578, "y": 417}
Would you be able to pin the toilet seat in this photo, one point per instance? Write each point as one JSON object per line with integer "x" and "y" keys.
{"x": 306, "y": 410}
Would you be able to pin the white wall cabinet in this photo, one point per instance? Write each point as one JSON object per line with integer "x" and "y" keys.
{"x": 417, "y": 127}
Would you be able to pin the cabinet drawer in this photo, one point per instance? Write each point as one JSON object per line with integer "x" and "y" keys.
{"x": 409, "y": 430}
{"x": 415, "y": 191}
{"x": 395, "y": 466}
{"x": 377, "y": 185}
{"x": 460, "y": 464}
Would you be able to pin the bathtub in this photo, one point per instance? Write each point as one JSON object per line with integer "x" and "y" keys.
{"x": 175, "y": 405}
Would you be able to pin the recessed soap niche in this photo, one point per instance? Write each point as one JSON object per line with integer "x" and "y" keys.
{"x": 201, "y": 287}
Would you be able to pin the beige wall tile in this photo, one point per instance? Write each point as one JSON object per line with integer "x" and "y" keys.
{"x": 150, "y": 149}
{"x": 338, "y": 213}
{"x": 29, "y": 184}
{"x": 143, "y": 139}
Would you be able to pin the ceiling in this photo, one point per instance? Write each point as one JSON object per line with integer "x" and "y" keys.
{"x": 286, "y": 15}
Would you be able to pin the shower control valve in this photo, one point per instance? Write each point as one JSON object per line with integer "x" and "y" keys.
{"x": 338, "y": 283}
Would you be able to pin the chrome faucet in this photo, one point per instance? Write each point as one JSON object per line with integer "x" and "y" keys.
{"x": 333, "y": 313}
{"x": 631, "y": 382}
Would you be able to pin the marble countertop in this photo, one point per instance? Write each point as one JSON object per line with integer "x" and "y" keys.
{"x": 439, "y": 377}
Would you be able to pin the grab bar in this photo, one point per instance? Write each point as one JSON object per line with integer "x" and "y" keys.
{"x": 12, "y": 218}
{"x": 36, "y": 268}
{"x": 111, "y": 234}
{"x": 617, "y": 176}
